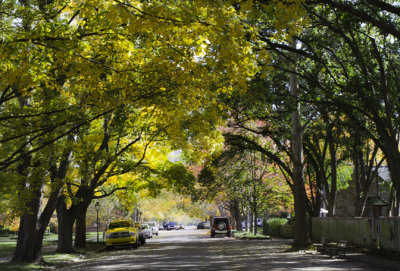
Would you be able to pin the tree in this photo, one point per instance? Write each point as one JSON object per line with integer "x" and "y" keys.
{"x": 242, "y": 180}
{"x": 359, "y": 66}
{"x": 170, "y": 59}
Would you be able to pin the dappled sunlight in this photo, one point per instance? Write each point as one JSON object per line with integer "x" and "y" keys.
{"x": 195, "y": 250}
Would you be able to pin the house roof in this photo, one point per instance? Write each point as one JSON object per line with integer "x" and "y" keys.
{"x": 383, "y": 173}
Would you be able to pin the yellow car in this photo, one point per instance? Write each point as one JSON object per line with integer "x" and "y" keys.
{"x": 122, "y": 233}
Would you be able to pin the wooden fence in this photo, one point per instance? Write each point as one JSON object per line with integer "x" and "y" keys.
{"x": 383, "y": 232}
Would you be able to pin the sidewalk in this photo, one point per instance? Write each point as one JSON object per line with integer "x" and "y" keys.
{"x": 388, "y": 264}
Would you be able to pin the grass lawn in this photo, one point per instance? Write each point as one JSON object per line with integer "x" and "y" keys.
{"x": 8, "y": 243}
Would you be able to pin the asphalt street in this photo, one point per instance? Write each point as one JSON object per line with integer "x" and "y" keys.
{"x": 194, "y": 250}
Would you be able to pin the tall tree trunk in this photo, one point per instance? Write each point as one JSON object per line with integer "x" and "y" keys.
{"x": 251, "y": 216}
{"x": 333, "y": 166}
{"x": 236, "y": 214}
{"x": 66, "y": 222}
{"x": 221, "y": 210}
{"x": 356, "y": 178}
{"x": 396, "y": 207}
{"x": 393, "y": 160}
{"x": 34, "y": 222}
{"x": 30, "y": 233}
{"x": 318, "y": 200}
{"x": 80, "y": 233}
{"x": 80, "y": 230}
{"x": 301, "y": 235}
{"x": 255, "y": 210}
{"x": 33, "y": 226}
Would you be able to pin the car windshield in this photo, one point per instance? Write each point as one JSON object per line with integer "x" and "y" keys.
{"x": 120, "y": 224}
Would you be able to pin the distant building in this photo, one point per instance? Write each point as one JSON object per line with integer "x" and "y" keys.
{"x": 346, "y": 199}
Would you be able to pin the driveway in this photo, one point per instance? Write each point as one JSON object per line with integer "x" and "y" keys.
{"x": 194, "y": 250}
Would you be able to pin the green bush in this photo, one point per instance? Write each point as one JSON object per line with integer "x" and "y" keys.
{"x": 272, "y": 226}
{"x": 5, "y": 232}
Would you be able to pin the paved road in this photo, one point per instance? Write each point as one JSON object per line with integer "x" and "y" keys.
{"x": 194, "y": 250}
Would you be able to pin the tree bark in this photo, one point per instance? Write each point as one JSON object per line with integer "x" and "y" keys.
{"x": 333, "y": 166}
{"x": 301, "y": 235}
{"x": 35, "y": 220}
{"x": 30, "y": 233}
{"x": 80, "y": 230}
{"x": 66, "y": 222}
{"x": 33, "y": 226}
{"x": 393, "y": 160}
{"x": 255, "y": 210}
{"x": 236, "y": 214}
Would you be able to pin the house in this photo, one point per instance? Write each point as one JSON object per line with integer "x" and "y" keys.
{"x": 346, "y": 199}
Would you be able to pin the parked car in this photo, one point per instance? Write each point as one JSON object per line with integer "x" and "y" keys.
{"x": 122, "y": 233}
{"x": 171, "y": 226}
{"x": 160, "y": 227}
{"x": 221, "y": 225}
{"x": 148, "y": 233}
{"x": 154, "y": 227}
{"x": 142, "y": 238}
{"x": 203, "y": 225}
{"x": 180, "y": 227}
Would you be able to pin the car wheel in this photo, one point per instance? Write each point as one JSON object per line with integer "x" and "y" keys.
{"x": 221, "y": 226}
{"x": 138, "y": 243}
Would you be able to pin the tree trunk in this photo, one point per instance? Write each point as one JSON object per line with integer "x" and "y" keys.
{"x": 396, "y": 207}
{"x": 251, "y": 216}
{"x": 66, "y": 222}
{"x": 30, "y": 233}
{"x": 237, "y": 215}
{"x": 33, "y": 226}
{"x": 255, "y": 207}
{"x": 333, "y": 166}
{"x": 221, "y": 210}
{"x": 301, "y": 235}
{"x": 235, "y": 211}
{"x": 34, "y": 222}
{"x": 393, "y": 160}
{"x": 246, "y": 221}
{"x": 80, "y": 231}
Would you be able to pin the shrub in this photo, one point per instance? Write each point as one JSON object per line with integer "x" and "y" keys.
{"x": 53, "y": 225}
{"x": 272, "y": 226}
{"x": 4, "y": 232}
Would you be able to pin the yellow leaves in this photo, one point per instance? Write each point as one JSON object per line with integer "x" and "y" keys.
{"x": 246, "y": 6}
{"x": 225, "y": 89}
{"x": 289, "y": 20}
